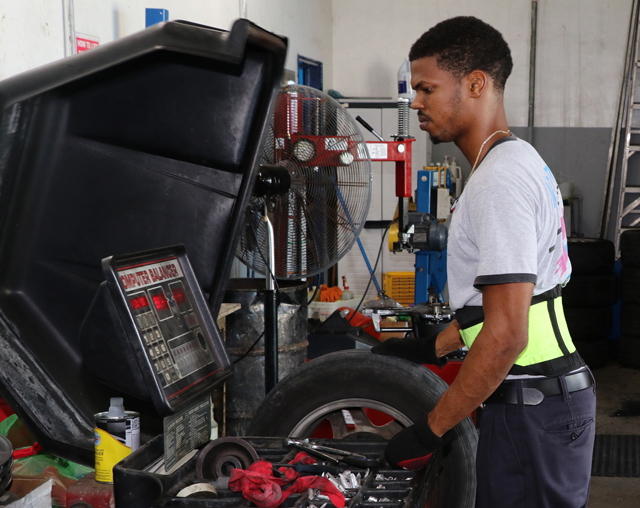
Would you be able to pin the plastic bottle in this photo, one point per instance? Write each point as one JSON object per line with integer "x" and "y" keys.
{"x": 347, "y": 294}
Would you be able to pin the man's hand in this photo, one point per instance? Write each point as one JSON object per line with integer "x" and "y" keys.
{"x": 415, "y": 349}
{"x": 413, "y": 447}
{"x": 504, "y": 335}
{"x": 427, "y": 350}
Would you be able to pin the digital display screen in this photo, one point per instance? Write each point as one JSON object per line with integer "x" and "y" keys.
{"x": 168, "y": 322}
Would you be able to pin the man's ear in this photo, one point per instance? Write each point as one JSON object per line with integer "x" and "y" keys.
{"x": 476, "y": 83}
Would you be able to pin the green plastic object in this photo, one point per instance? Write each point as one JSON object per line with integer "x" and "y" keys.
{"x": 35, "y": 465}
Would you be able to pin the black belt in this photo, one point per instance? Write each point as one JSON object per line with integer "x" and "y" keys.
{"x": 535, "y": 390}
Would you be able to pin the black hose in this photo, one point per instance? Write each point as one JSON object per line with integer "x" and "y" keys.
{"x": 249, "y": 350}
{"x": 372, "y": 273}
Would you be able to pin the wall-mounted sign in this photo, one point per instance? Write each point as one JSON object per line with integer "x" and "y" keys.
{"x": 86, "y": 42}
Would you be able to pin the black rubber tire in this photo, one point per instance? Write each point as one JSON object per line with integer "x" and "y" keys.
{"x": 629, "y": 351}
{"x": 358, "y": 378}
{"x": 630, "y": 319}
{"x": 630, "y": 248}
{"x": 590, "y": 291}
{"x": 595, "y": 353}
{"x": 591, "y": 256}
{"x": 589, "y": 324}
{"x": 630, "y": 284}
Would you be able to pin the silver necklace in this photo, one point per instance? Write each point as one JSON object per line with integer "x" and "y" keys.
{"x": 475, "y": 164}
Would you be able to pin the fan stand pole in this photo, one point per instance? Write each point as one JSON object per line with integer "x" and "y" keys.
{"x": 270, "y": 315}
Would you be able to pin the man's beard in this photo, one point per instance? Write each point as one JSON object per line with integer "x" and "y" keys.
{"x": 455, "y": 105}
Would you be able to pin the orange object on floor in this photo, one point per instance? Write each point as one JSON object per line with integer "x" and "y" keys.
{"x": 330, "y": 294}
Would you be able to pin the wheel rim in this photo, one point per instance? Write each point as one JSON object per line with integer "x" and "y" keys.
{"x": 332, "y": 412}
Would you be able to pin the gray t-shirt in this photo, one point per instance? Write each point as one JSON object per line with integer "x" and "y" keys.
{"x": 507, "y": 226}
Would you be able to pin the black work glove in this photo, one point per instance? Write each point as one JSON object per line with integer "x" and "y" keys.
{"x": 419, "y": 350}
{"x": 413, "y": 447}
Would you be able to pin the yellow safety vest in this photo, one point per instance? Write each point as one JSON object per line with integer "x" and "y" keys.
{"x": 550, "y": 350}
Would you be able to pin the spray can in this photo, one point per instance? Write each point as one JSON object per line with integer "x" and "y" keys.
{"x": 117, "y": 434}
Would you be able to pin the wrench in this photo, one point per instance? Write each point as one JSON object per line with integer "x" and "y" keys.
{"x": 354, "y": 459}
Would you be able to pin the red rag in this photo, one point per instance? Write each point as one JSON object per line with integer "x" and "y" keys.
{"x": 258, "y": 484}
{"x": 303, "y": 458}
{"x": 289, "y": 473}
{"x": 27, "y": 452}
{"x": 300, "y": 458}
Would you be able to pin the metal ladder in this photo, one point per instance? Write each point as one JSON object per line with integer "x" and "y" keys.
{"x": 627, "y": 216}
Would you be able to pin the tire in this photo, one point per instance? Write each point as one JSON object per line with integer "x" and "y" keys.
{"x": 589, "y": 324}
{"x": 590, "y": 291}
{"x": 591, "y": 256}
{"x": 629, "y": 351}
{"x": 630, "y": 285}
{"x": 359, "y": 379}
{"x": 630, "y": 249}
{"x": 594, "y": 353}
{"x": 630, "y": 319}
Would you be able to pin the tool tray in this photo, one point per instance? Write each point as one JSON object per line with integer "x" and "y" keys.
{"x": 381, "y": 487}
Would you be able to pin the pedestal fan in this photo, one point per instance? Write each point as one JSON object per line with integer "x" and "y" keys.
{"x": 317, "y": 146}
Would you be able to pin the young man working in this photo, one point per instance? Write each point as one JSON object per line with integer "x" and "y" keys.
{"x": 506, "y": 263}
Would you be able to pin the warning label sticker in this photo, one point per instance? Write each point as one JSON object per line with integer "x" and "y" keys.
{"x": 378, "y": 150}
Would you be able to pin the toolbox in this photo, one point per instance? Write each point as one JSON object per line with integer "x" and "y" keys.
{"x": 136, "y": 487}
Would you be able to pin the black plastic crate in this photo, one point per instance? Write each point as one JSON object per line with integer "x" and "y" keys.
{"x": 380, "y": 487}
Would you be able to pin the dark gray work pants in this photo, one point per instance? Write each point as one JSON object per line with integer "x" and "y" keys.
{"x": 537, "y": 456}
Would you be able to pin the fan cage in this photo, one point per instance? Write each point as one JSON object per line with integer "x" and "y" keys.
{"x": 317, "y": 222}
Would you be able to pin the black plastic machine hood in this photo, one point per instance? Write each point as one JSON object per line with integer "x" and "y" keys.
{"x": 149, "y": 141}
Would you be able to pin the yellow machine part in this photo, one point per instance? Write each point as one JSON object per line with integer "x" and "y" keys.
{"x": 393, "y": 235}
{"x": 394, "y": 230}
{"x": 441, "y": 170}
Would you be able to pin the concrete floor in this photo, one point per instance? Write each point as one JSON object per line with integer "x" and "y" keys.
{"x": 617, "y": 388}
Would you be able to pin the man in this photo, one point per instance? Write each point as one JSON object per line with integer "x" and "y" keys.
{"x": 506, "y": 263}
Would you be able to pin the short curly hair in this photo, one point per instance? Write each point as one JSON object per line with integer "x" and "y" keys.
{"x": 464, "y": 44}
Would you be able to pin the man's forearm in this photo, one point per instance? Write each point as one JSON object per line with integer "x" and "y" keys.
{"x": 481, "y": 373}
{"x": 503, "y": 337}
